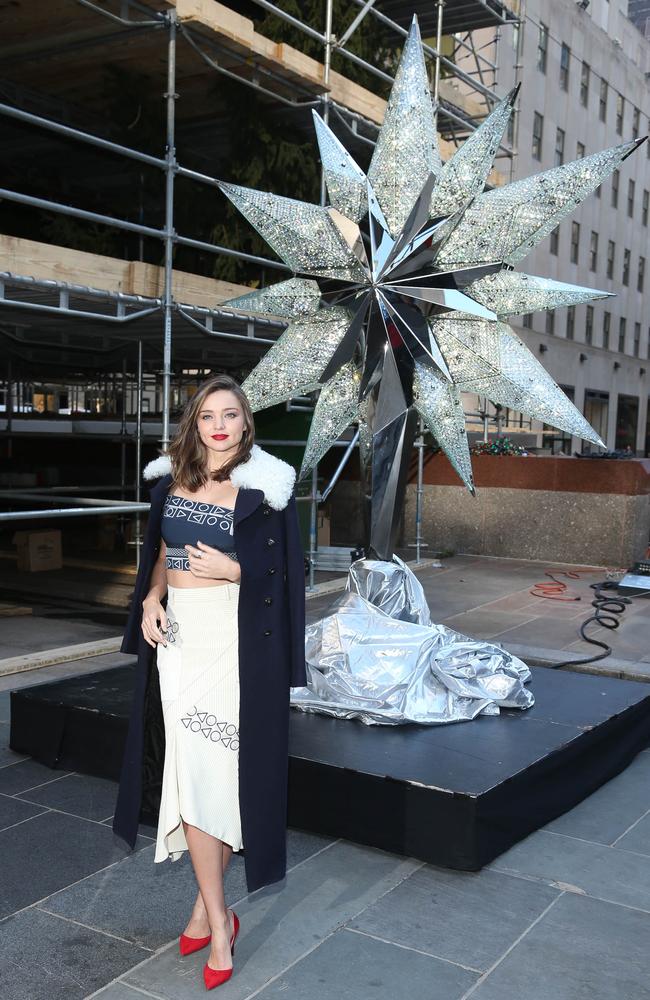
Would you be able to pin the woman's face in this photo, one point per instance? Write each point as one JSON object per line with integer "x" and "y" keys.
{"x": 221, "y": 422}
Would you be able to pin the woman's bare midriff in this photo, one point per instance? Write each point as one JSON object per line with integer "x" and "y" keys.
{"x": 182, "y": 578}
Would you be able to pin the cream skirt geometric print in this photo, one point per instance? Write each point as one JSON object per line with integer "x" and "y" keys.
{"x": 199, "y": 687}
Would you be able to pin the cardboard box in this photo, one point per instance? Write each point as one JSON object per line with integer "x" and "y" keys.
{"x": 38, "y": 550}
{"x": 322, "y": 528}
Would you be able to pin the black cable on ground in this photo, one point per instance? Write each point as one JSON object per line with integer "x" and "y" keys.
{"x": 608, "y": 615}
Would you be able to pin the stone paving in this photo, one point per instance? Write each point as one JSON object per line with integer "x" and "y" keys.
{"x": 563, "y": 915}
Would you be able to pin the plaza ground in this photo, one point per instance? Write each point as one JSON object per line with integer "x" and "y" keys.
{"x": 564, "y": 914}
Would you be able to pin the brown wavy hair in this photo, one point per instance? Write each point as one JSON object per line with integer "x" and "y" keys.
{"x": 188, "y": 454}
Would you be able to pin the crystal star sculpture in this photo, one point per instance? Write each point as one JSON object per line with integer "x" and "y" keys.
{"x": 402, "y": 287}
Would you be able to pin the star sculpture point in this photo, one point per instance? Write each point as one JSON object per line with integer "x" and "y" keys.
{"x": 414, "y": 262}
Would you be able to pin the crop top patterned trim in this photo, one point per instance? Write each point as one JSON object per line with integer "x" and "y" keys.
{"x": 185, "y": 522}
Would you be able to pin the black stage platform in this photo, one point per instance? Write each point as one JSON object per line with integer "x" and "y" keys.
{"x": 455, "y": 795}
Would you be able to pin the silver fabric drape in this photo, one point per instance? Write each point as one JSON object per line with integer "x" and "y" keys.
{"x": 376, "y": 656}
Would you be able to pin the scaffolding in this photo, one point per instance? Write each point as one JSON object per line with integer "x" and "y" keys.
{"x": 116, "y": 322}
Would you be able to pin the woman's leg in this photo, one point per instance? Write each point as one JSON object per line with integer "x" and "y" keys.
{"x": 207, "y": 855}
{"x": 198, "y": 925}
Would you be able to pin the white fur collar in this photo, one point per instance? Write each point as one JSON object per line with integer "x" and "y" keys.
{"x": 262, "y": 471}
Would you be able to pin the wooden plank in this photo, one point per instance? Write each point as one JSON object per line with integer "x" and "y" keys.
{"x": 78, "y": 267}
{"x": 238, "y": 33}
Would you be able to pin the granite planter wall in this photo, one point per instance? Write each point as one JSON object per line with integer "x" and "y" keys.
{"x": 582, "y": 511}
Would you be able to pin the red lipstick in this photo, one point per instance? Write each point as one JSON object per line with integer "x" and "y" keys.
{"x": 219, "y": 437}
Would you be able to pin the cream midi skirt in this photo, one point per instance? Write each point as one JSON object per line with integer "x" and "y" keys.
{"x": 199, "y": 688}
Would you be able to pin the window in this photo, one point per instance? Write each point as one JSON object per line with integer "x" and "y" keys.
{"x": 621, "y": 334}
{"x": 570, "y": 322}
{"x": 542, "y": 47}
{"x": 620, "y": 113}
{"x": 607, "y": 325}
{"x": 589, "y": 325}
{"x": 559, "y": 147}
{"x": 565, "y": 56}
{"x": 538, "y": 134}
{"x": 527, "y": 321}
{"x": 580, "y": 150}
{"x": 575, "y": 242}
{"x": 626, "y": 266}
{"x": 555, "y": 241}
{"x": 602, "y": 101}
{"x": 593, "y": 251}
{"x": 611, "y": 255}
{"x": 630, "y": 198}
{"x": 627, "y": 422}
{"x": 636, "y": 123}
{"x": 640, "y": 275}
{"x": 584, "y": 84}
{"x": 616, "y": 176}
{"x": 550, "y": 322}
{"x": 644, "y": 207}
{"x": 597, "y": 412}
{"x": 637, "y": 339}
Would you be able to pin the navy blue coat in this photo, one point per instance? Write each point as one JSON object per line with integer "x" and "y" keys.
{"x": 271, "y": 617}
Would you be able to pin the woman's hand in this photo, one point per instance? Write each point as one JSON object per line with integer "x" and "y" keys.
{"x": 153, "y": 613}
{"x": 211, "y": 564}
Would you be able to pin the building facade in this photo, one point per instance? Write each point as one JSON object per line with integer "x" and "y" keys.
{"x": 586, "y": 86}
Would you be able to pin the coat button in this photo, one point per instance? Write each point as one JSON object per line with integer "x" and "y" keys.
{"x": 267, "y": 511}
{"x": 271, "y": 571}
{"x": 268, "y": 600}
{"x": 267, "y": 631}
{"x": 270, "y": 541}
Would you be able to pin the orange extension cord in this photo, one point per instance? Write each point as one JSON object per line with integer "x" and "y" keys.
{"x": 557, "y": 590}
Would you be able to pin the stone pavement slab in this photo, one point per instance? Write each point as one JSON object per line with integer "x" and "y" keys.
{"x": 120, "y": 991}
{"x": 27, "y": 774}
{"x": 358, "y": 967}
{"x": 280, "y": 925}
{"x": 51, "y": 851}
{"x": 637, "y": 838}
{"x": 149, "y": 903}
{"x": 616, "y": 876}
{"x": 13, "y": 811}
{"x": 46, "y": 958}
{"x": 7, "y": 756}
{"x": 582, "y": 948}
{"x": 612, "y": 809}
{"x": 450, "y": 915}
{"x": 78, "y": 794}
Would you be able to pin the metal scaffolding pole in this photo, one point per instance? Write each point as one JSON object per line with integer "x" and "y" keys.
{"x": 436, "y": 77}
{"x": 170, "y": 159}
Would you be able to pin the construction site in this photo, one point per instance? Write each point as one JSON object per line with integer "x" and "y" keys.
{"x": 116, "y": 246}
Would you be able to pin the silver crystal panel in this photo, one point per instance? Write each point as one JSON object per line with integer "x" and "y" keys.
{"x": 289, "y": 299}
{"x": 303, "y": 235}
{"x": 509, "y": 293}
{"x": 489, "y": 359}
{"x": 293, "y": 364}
{"x": 335, "y": 410}
{"x": 377, "y": 657}
{"x": 407, "y": 145}
{"x": 346, "y": 181}
{"x": 365, "y": 431}
{"x": 439, "y": 404}
{"x": 464, "y": 175}
{"x": 506, "y": 223}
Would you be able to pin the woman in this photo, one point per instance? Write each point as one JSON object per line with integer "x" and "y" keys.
{"x": 219, "y": 603}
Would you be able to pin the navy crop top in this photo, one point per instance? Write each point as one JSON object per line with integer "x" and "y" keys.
{"x": 186, "y": 522}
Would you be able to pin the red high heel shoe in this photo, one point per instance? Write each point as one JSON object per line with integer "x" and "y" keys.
{"x": 188, "y": 945}
{"x": 216, "y": 977}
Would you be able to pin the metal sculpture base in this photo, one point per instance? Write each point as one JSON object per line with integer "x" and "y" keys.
{"x": 377, "y": 657}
